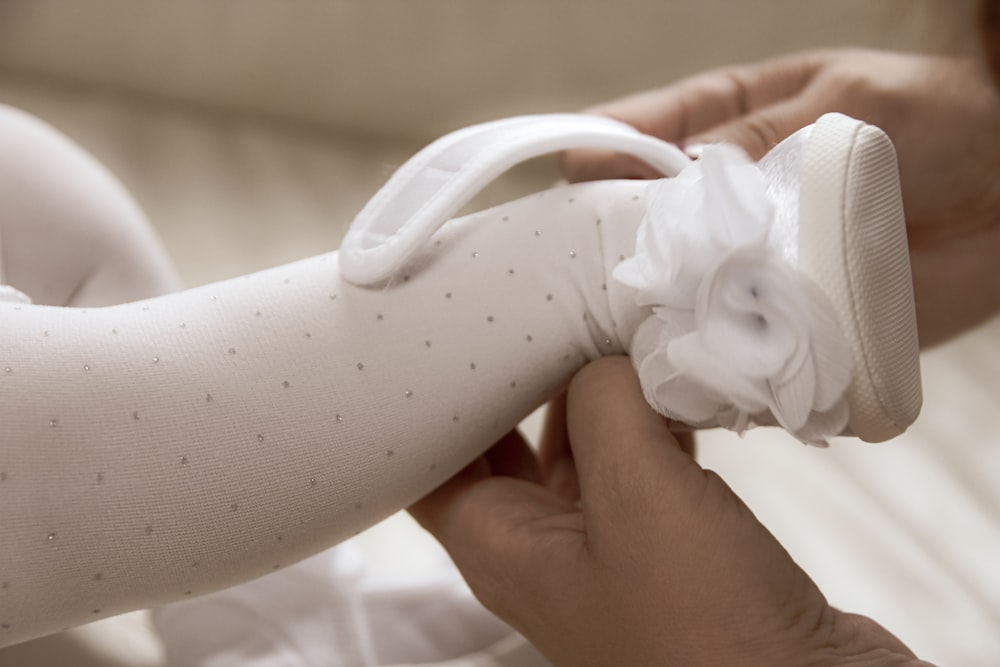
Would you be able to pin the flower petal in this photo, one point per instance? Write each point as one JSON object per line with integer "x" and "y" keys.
{"x": 824, "y": 425}
{"x": 736, "y": 202}
{"x": 736, "y": 312}
{"x": 689, "y": 356}
{"x": 681, "y": 399}
{"x": 737, "y": 336}
{"x": 736, "y": 420}
{"x": 793, "y": 399}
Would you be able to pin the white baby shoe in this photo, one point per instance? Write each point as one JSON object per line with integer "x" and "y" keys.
{"x": 780, "y": 291}
{"x": 775, "y": 292}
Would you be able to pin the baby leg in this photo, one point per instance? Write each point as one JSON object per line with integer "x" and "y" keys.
{"x": 70, "y": 235}
{"x": 182, "y": 444}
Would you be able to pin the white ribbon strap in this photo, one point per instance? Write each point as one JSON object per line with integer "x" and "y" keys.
{"x": 438, "y": 181}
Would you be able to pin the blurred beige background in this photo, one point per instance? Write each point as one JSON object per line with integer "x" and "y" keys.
{"x": 259, "y": 127}
{"x": 251, "y": 131}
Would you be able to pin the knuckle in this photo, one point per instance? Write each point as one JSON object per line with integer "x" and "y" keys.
{"x": 856, "y": 90}
{"x": 736, "y": 81}
{"x": 849, "y": 81}
{"x": 762, "y": 134}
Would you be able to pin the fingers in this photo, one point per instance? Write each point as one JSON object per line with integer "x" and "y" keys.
{"x": 685, "y": 439}
{"x": 556, "y": 456}
{"x": 582, "y": 165}
{"x": 513, "y": 457}
{"x": 698, "y": 103}
{"x": 434, "y": 511}
{"x": 496, "y": 495}
{"x": 616, "y": 437}
{"x": 517, "y": 543}
{"x": 760, "y": 131}
{"x": 692, "y": 108}
{"x": 500, "y": 530}
{"x": 555, "y": 439}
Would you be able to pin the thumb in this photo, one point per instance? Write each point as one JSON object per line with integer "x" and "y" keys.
{"x": 758, "y": 131}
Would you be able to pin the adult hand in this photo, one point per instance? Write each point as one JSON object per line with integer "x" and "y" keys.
{"x": 658, "y": 563}
{"x": 942, "y": 114}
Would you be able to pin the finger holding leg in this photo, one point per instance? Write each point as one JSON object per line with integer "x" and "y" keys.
{"x": 555, "y": 456}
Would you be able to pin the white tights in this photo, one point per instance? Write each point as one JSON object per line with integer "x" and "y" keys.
{"x": 180, "y": 444}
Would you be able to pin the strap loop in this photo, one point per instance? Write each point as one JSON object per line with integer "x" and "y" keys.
{"x": 437, "y": 182}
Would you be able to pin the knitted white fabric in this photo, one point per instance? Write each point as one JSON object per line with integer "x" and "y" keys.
{"x": 178, "y": 445}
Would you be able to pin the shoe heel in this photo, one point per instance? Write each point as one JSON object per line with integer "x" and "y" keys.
{"x": 852, "y": 243}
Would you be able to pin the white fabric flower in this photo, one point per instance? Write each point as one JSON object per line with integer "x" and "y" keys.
{"x": 737, "y": 336}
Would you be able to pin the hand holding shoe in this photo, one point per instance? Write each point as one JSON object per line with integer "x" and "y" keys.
{"x": 942, "y": 114}
{"x": 659, "y": 563}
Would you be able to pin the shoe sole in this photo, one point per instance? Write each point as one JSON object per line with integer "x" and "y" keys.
{"x": 852, "y": 243}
